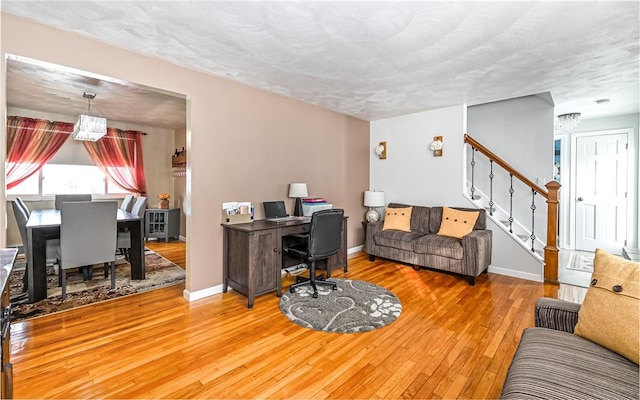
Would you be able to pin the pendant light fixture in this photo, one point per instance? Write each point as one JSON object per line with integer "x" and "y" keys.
{"x": 88, "y": 127}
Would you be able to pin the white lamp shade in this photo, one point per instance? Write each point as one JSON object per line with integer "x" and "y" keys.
{"x": 298, "y": 190}
{"x": 373, "y": 199}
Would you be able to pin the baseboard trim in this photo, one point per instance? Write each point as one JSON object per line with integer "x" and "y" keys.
{"x": 354, "y": 249}
{"x": 201, "y": 294}
{"x": 516, "y": 274}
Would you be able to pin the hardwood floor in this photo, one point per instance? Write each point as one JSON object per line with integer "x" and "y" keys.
{"x": 452, "y": 340}
{"x": 173, "y": 250}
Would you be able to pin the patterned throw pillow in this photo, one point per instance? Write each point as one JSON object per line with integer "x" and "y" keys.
{"x": 609, "y": 314}
{"x": 398, "y": 218}
{"x": 457, "y": 223}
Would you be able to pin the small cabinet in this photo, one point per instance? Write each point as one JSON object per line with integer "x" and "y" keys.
{"x": 162, "y": 223}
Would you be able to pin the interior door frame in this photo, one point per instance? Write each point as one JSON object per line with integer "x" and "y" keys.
{"x": 565, "y": 193}
{"x": 632, "y": 188}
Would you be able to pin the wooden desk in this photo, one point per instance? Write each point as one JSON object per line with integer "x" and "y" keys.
{"x": 252, "y": 258}
{"x": 45, "y": 224}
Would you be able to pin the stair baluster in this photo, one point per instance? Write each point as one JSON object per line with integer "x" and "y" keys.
{"x": 511, "y": 205}
{"x": 473, "y": 167}
{"x": 491, "y": 203}
{"x": 533, "y": 219}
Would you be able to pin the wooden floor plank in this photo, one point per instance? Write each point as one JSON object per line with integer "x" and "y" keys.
{"x": 452, "y": 340}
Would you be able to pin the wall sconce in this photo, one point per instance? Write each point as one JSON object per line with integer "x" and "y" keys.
{"x": 381, "y": 150}
{"x": 436, "y": 146}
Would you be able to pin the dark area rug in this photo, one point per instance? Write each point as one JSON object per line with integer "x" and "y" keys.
{"x": 159, "y": 272}
{"x": 356, "y": 306}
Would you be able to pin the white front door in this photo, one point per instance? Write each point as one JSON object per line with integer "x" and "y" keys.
{"x": 601, "y": 192}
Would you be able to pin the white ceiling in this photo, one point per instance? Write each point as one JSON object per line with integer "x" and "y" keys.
{"x": 371, "y": 60}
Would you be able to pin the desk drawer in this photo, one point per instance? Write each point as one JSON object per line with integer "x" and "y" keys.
{"x": 290, "y": 230}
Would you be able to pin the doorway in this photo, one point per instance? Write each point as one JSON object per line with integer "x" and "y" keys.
{"x": 600, "y": 187}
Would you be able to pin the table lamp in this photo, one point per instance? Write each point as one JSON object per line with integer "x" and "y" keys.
{"x": 372, "y": 200}
{"x": 298, "y": 190}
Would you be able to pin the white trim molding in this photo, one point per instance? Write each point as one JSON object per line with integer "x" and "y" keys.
{"x": 201, "y": 294}
{"x": 516, "y": 274}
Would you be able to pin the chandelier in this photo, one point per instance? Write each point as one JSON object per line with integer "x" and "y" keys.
{"x": 568, "y": 121}
{"x": 88, "y": 127}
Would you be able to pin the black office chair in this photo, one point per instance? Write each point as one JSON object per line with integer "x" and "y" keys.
{"x": 323, "y": 240}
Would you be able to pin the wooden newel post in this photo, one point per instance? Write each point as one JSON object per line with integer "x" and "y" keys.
{"x": 551, "y": 249}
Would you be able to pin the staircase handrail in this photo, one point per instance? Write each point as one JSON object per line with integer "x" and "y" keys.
{"x": 551, "y": 195}
{"x": 492, "y": 156}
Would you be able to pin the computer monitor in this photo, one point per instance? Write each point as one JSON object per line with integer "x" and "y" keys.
{"x": 274, "y": 209}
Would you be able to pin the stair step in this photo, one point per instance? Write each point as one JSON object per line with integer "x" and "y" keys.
{"x": 475, "y": 197}
{"x": 524, "y": 238}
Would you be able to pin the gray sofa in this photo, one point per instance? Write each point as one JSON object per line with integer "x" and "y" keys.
{"x": 422, "y": 247}
{"x": 553, "y": 363}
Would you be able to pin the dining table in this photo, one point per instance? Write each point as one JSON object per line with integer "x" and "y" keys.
{"x": 44, "y": 225}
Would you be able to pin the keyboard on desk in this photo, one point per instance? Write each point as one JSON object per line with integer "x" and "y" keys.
{"x": 289, "y": 218}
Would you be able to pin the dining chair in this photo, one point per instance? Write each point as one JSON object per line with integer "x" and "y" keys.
{"x": 87, "y": 237}
{"x": 21, "y": 219}
{"x": 127, "y": 203}
{"x": 124, "y": 237}
{"x": 323, "y": 240}
{"x": 61, "y": 198}
{"x": 23, "y": 205}
{"x": 139, "y": 206}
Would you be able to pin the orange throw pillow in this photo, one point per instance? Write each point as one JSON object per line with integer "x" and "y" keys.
{"x": 457, "y": 223}
{"x": 398, "y": 218}
{"x": 609, "y": 314}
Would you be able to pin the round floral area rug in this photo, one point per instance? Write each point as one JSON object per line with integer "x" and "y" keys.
{"x": 356, "y": 306}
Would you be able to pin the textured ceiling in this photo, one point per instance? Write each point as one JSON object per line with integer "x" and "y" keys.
{"x": 374, "y": 60}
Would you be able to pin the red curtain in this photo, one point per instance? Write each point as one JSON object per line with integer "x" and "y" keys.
{"x": 119, "y": 156}
{"x": 31, "y": 143}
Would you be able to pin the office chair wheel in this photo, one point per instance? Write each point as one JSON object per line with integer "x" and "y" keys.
{"x": 315, "y": 295}
{"x": 292, "y": 290}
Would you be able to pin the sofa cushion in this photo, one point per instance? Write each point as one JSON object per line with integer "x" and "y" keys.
{"x": 610, "y": 312}
{"x": 419, "y": 216}
{"x": 397, "y": 218}
{"x": 550, "y": 364}
{"x": 445, "y": 246}
{"x": 435, "y": 218}
{"x": 396, "y": 239}
{"x": 457, "y": 223}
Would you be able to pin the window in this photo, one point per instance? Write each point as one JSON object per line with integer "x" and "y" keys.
{"x": 67, "y": 179}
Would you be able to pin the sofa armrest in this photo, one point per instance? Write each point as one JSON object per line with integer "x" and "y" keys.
{"x": 477, "y": 251}
{"x": 556, "y": 314}
{"x": 372, "y": 228}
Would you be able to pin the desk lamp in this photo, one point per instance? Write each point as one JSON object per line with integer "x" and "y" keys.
{"x": 373, "y": 200}
{"x": 298, "y": 190}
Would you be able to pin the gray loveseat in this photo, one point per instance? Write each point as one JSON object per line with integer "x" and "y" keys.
{"x": 422, "y": 247}
{"x": 553, "y": 363}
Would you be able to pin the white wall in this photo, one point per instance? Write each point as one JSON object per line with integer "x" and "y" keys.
{"x": 412, "y": 175}
{"x": 520, "y": 131}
